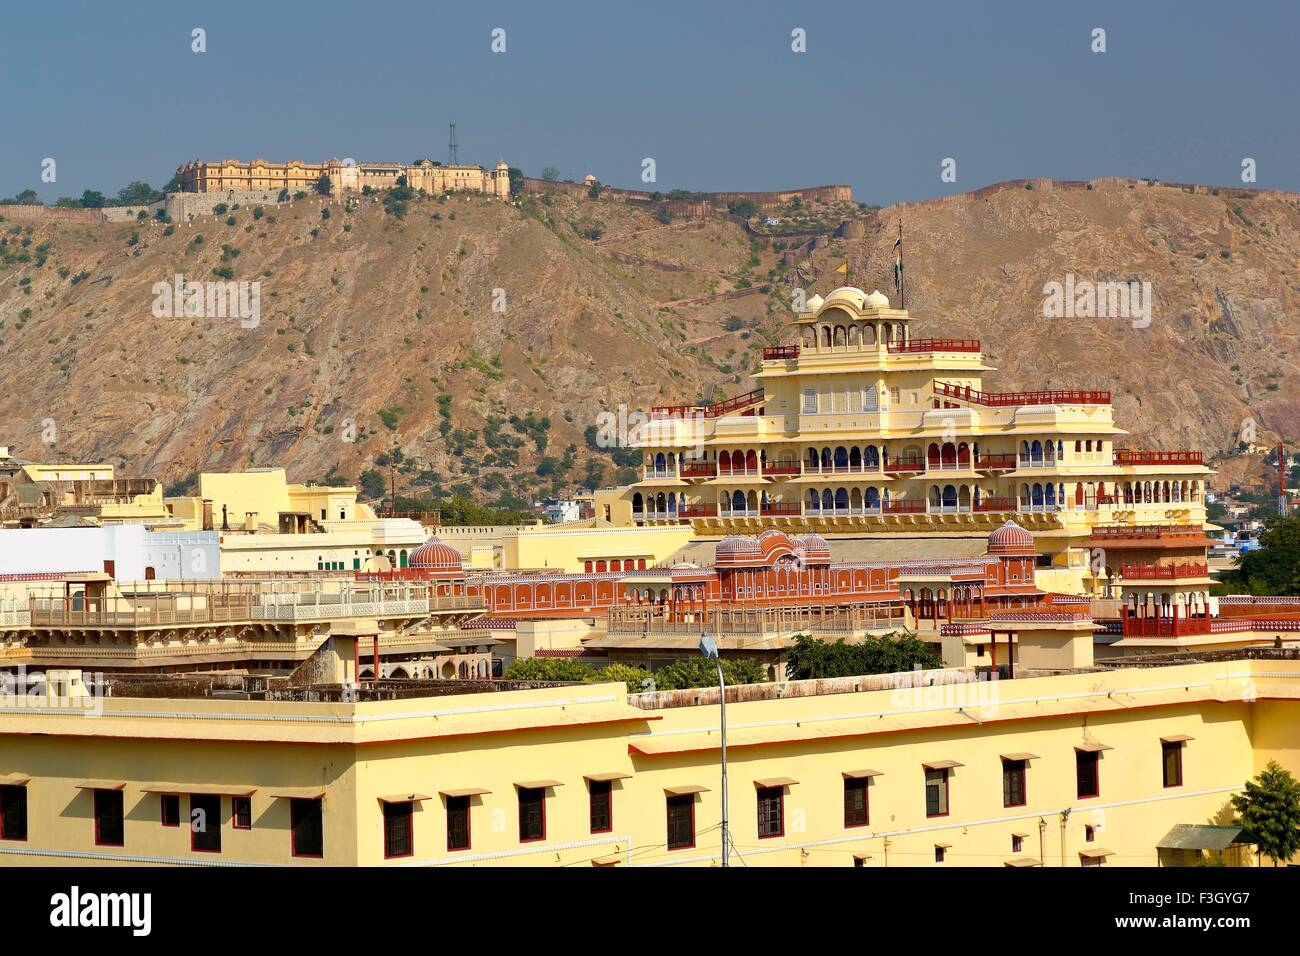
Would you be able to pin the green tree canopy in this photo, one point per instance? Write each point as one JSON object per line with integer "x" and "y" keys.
{"x": 1269, "y": 811}
{"x": 889, "y": 654}
{"x": 702, "y": 672}
{"x": 1273, "y": 568}
{"x": 138, "y": 194}
{"x": 92, "y": 199}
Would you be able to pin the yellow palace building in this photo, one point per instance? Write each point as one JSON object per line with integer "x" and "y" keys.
{"x": 1131, "y": 766}
{"x": 861, "y": 429}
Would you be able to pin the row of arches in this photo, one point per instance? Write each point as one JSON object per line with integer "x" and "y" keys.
{"x": 855, "y": 335}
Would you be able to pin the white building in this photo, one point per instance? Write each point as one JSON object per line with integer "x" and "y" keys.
{"x": 127, "y": 552}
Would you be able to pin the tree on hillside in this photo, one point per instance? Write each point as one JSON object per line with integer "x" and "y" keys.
{"x": 138, "y": 194}
{"x": 744, "y": 208}
{"x": 1274, "y": 567}
{"x": 516, "y": 180}
{"x": 322, "y": 186}
{"x": 550, "y": 174}
{"x": 93, "y": 199}
{"x": 1269, "y": 812}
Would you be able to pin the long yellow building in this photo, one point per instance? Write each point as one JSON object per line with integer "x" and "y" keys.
{"x": 1128, "y": 766}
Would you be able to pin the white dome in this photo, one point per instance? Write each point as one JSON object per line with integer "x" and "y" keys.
{"x": 877, "y": 300}
{"x": 847, "y": 292}
{"x": 814, "y": 303}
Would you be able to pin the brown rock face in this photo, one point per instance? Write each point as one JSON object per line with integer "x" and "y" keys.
{"x": 515, "y": 310}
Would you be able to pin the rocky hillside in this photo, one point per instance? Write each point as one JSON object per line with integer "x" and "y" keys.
{"x": 483, "y": 340}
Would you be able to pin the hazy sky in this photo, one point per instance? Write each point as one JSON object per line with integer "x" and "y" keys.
{"x": 710, "y": 89}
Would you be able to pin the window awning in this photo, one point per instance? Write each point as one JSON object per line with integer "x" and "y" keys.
{"x": 201, "y": 789}
{"x": 1199, "y": 836}
{"x": 603, "y": 777}
{"x": 102, "y": 785}
{"x": 859, "y": 774}
{"x": 942, "y": 765}
{"x": 465, "y": 792}
{"x": 1176, "y": 739}
{"x": 1092, "y": 747}
{"x": 538, "y": 784}
{"x": 613, "y": 859}
{"x": 404, "y": 798}
{"x": 14, "y": 779}
{"x": 297, "y": 793}
{"x": 1022, "y": 861}
{"x": 775, "y": 782}
{"x": 685, "y": 790}
{"x": 1093, "y": 853}
{"x": 862, "y": 856}
{"x": 1020, "y": 755}
{"x": 945, "y": 846}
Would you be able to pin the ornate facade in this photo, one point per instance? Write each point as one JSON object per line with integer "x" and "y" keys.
{"x": 295, "y": 175}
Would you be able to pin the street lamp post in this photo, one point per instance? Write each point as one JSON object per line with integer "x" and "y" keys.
{"x": 709, "y": 648}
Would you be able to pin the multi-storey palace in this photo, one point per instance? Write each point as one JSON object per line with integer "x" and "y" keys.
{"x": 424, "y": 176}
{"x": 861, "y": 429}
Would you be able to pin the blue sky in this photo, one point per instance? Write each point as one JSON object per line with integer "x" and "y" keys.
{"x": 710, "y": 90}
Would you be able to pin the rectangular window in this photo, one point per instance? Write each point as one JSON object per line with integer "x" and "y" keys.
{"x": 399, "y": 833}
{"x": 205, "y": 823}
{"x": 171, "y": 809}
{"x": 810, "y": 401}
{"x": 1089, "y": 833}
{"x": 855, "y": 802}
{"x": 602, "y": 805}
{"x": 1013, "y": 783}
{"x": 241, "y": 813}
{"x": 939, "y": 853}
{"x": 307, "y": 830}
{"x": 681, "y": 821}
{"x": 771, "y": 812}
{"x": 13, "y": 813}
{"x": 108, "y": 818}
{"x": 1017, "y": 843}
{"x": 936, "y": 792}
{"x": 1085, "y": 770}
{"x": 1171, "y": 759}
{"x": 532, "y": 814}
{"x": 458, "y": 823}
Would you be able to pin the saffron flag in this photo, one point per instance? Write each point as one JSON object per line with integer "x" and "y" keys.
{"x": 844, "y": 268}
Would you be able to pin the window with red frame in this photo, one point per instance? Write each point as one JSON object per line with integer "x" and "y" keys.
{"x": 458, "y": 823}
{"x": 532, "y": 814}
{"x": 171, "y": 809}
{"x": 241, "y": 813}
{"x": 108, "y": 818}
{"x": 399, "y": 831}
{"x": 1013, "y": 783}
{"x": 306, "y": 827}
{"x": 1017, "y": 843}
{"x": 856, "y": 804}
{"x": 602, "y": 805}
{"x": 1087, "y": 778}
{"x": 205, "y": 823}
{"x": 1171, "y": 762}
{"x": 681, "y": 821}
{"x": 13, "y": 813}
{"x": 771, "y": 812}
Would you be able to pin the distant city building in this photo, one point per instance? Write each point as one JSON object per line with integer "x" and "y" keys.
{"x": 426, "y": 176}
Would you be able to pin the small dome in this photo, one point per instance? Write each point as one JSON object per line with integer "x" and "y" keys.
{"x": 434, "y": 555}
{"x": 814, "y": 303}
{"x": 877, "y": 300}
{"x": 734, "y": 544}
{"x": 1011, "y": 539}
{"x": 847, "y": 294}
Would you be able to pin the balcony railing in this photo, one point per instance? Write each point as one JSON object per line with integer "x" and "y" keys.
{"x": 905, "y": 506}
{"x": 660, "y": 473}
{"x": 911, "y": 464}
{"x": 709, "y": 470}
{"x": 1129, "y": 457}
{"x": 994, "y": 504}
{"x": 1161, "y": 572}
{"x": 698, "y": 511}
{"x": 738, "y": 472}
{"x": 781, "y": 471}
{"x": 776, "y": 353}
{"x": 1060, "y": 396}
{"x": 936, "y": 345}
{"x": 735, "y": 404}
{"x": 995, "y": 462}
{"x": 778, "y": 508}
{"x": 846, "y": 469}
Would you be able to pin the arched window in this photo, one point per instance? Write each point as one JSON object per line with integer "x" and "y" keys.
{"x": 828, "y": 500}
{"x": 855, "y": 458}
{"x": 841, "y": 499}
{"x": 738, "y": 501}
{"x": 873, "y": 499}
{"x": 724, "y": 462}
{"x": 812, "y": 459}
{"x": 1036, "y": 495}
{"x": 814, "y": 500}
{"x": 871, "y": 458}
{"x": 950, "y": 496}
{"x": 751, "y": 462}
{"x": 841, "y": 457}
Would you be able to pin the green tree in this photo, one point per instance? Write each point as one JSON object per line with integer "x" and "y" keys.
{"x": 1269, "y": 811}
{"x": 702, "y": 672}
{"x": 811, "y": 658}
{"x": 1273, "y": 568}
{"x": 137, "y": 194}
{"x": 550, "y": 174}
{"x": 323, "y": 185}
{"x": 549, "y": 668}
{"x": 516, "y": 180}
{"x": 633, "y": 677}
{"x": 372, "y": 484}
{"x": 92, "y": 199}
{"x": 744, "y": 208}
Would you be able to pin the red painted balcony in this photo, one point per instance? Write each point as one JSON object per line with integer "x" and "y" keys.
{"x": 780, "y": 471}
{"x": 936, "y": 345}
{"x": 698, "y": 511}
{"x": 776, "y": 353}
{"x": 995, "y": 463}
{"x": 1164, "y": 626}
{"x": 904, "y": 506}
{"x": 1163, "y": 572}
{"x": 912, "y": 464}
{"x": 704, "y": 470}
{"x": 1129, "y": 457}
{"x": 748, "y": 400}
{"x": 1059, "y": 396}
{"x": 994, "y": 504}
{"x": 779, "y": 508}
